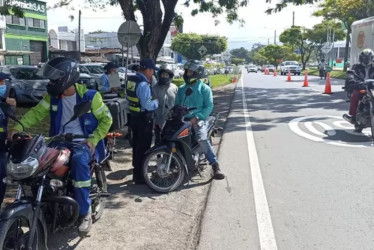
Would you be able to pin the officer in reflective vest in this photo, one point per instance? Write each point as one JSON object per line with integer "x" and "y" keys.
{"x": 3, "y": 133}
{"x": 141, "y": 106}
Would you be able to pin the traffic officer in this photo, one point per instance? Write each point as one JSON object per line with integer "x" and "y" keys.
{"x": 63, "y": 94}
{"x": 141, "y": 106}
{"x": 3, "y": 133}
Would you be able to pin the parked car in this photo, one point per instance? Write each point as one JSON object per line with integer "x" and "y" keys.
{"x": 252, "y": 69}
{"x": 88, "y": 80}
{"x": 94, "y": 69}
{"x": 291, "y": 66}
{"x": 25, "y": 84}
{"x": 122, "y": 72}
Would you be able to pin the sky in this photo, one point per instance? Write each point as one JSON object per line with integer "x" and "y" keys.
{"x": 258, "y": 27}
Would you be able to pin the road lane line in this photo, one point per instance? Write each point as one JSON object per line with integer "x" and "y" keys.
{"x": 264, "y": 224}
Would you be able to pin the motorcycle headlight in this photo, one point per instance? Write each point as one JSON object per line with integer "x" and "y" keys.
{"x": 22, "y": 170}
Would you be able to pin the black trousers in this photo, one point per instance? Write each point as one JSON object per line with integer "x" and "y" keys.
{"x": 141, "y": 125}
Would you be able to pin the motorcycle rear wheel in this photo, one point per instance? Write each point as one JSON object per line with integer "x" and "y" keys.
{"x": 14, "y": 234}
{"x": 99, "y": 185}
{"x": 372, "y": 123}
{"x": 152, "y": 171}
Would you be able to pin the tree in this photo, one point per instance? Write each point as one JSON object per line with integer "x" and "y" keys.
{"x": 297, "y": 38}
{"x": 347, "y": 11}
{"x": 241, "y": 53}
{"x": 273, "y": 53}
{"x": 158, "y": 15}
{"x": 237, "y": 61}
{"x": 318, "y": 35}
{"x": 259, "y": 59}
{"x": 188, "y": 44}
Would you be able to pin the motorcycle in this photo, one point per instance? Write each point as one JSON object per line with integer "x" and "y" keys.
{"x": 322, "y": 72}
{"x": 365, "y": 109}
{"x": 44, "y": 200}
{"x": 166, "y": 164}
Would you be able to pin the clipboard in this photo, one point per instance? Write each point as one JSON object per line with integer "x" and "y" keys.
{"x": 114, "y": 80}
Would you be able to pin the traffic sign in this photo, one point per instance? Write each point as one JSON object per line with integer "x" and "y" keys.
{"x": 129, "y": 33}
{"x": 326, "y": 48}
{"x": 202, "y": 50}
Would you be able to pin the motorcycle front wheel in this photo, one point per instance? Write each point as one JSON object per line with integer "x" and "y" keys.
{"x": 372, "y": 121}
{"x": 14, "y": 234}
{"x": 156, "y": 175}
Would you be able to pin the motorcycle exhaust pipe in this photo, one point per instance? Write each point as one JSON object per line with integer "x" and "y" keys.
{"x": 66, "y": 200}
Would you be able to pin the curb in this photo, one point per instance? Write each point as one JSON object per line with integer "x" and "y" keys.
{"x": 194, "y": 240}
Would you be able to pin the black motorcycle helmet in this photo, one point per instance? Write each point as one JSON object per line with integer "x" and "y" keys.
{"x": 109, "y": 66}
{"x": 62, "y": 73}
{"x": 168, "y": 69}
{"x": 197, "y": 67}
{"x": 366, "y": 57}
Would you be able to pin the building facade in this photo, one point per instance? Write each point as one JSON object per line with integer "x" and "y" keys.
{"x": 26, "y": 39}
{"x": 67, "y": 40}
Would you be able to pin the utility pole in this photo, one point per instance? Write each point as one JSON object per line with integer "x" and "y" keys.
{"x": 293, "y": 19}
{"x": 268, "y": 41}
{"x": 79, "y": 31}
{"x": 275, "y": 37}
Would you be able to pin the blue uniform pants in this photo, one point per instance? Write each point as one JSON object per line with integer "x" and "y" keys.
{"x": 2, "y": 176}
{"x": 81, "y": 175}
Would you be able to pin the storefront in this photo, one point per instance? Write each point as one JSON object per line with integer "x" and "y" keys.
{"x": 26, "y": 38}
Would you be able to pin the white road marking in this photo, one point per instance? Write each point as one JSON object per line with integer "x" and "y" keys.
{"x": 294, "y": 126}
{"x": 264, "y": 224}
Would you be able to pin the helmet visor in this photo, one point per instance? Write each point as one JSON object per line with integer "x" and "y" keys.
{"x": 50, "y": 72}
{"x": 191, "y": 66}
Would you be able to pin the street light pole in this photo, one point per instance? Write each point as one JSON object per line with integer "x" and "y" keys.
{"x": 79, "y": 31}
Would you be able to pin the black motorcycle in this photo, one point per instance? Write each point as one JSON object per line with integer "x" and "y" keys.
{"x": 365, "y": 109}
{"x": 178, "y": 153}
{"x": 44, "y": 200}
{"x": 322, "y": 72}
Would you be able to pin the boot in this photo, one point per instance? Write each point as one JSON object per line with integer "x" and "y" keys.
{"x": 86, "y": 223}
{"x": 217, "y": 174}
{"x": 350, "y": 119}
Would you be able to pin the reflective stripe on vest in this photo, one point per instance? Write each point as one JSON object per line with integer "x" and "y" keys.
{"x": 134, "y": 102}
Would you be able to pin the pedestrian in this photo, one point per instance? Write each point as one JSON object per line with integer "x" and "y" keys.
{"x": 165, "y": 92}
{"x": 110, "y": 68}
{"x": 3, "y": 133}
{"x": 63, "y": 95}
{"x": 142, "y": 106}
{"x": 201, "y": 99}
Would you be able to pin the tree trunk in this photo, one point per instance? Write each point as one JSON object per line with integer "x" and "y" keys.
{"x": 155, "y": 29}
{"x": 346, "y": 49}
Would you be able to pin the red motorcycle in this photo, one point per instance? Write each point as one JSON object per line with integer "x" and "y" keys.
{"x": 45, "y": 200}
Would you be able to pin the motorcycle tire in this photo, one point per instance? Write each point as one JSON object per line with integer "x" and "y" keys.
{"x": 100, "y": 184}
{"x": 151, "y": 180}
{"x": 8, "y": 227}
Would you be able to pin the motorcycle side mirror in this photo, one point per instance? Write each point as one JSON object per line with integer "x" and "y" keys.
{"x": 189, "y": 92}
{"x": 79, "y": 110}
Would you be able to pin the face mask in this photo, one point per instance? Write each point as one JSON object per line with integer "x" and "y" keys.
{"x": 2, "y": 90}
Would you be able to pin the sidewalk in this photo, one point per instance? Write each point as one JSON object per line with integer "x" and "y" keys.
{"x": 137, "y": 218}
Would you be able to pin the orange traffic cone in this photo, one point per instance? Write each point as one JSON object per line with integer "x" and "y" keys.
{"x": 328, "y": 85}
{"x": 289, "y": 76}
{"x": 275, "y": 72}
{"x": 306, "y": 82}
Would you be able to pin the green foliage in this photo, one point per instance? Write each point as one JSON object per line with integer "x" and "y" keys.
{"x": 273, "y": 53}
{"x": 241, "y": 53}
{"x": 188, "y": 44}
{"x": 284, "y": 3}
{"x": 299, "y": 38}
{"x": 259, "y": 59}
{"x": 237, "y": 61}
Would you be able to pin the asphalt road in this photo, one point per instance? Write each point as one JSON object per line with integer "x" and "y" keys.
{"x": 298, "y": 177}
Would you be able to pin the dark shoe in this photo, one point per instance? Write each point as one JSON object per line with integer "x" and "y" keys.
{"x": 350, "y": 119}
{"x": 217, "y": 174}
{"x": 86, "y": 223}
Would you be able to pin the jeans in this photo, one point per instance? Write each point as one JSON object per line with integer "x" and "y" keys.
{"x": 3, "y": 162}
{"x": 201, "y": 135}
